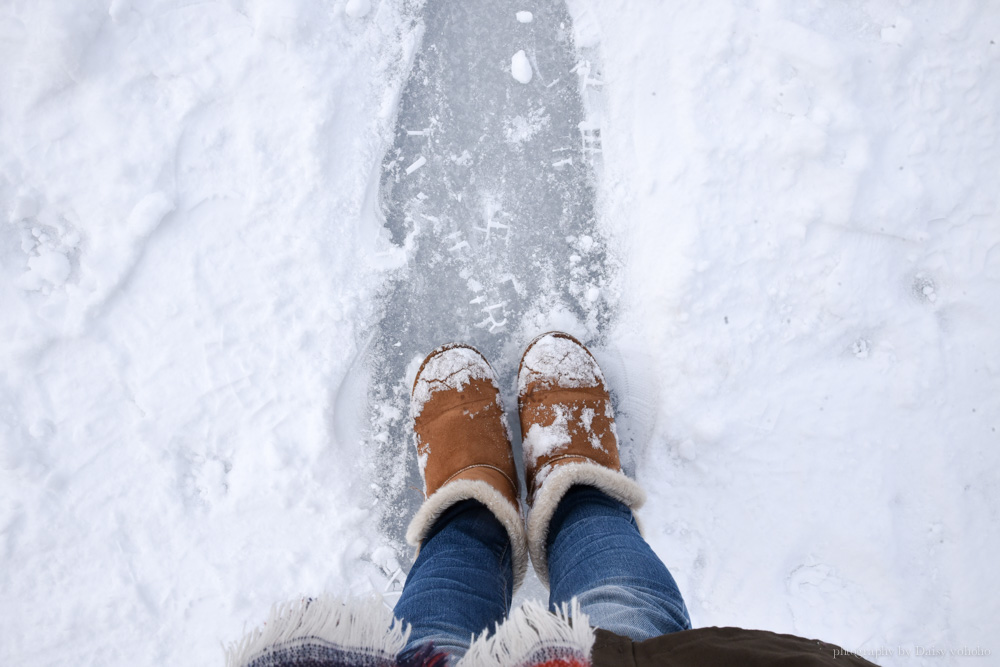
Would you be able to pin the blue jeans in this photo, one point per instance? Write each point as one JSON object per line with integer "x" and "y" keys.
{"x": 462, "y": 581}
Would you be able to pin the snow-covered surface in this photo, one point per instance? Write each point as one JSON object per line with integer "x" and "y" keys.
{"x": 169, "y": 409}
{"x": 785, "y": 181}
{"x": 357, "y": 8}
{"x": 805, "y": 351}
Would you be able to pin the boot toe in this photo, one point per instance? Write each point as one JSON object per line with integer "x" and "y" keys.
{"x": 557, "y": 359}
{"x": 448, "y": 368}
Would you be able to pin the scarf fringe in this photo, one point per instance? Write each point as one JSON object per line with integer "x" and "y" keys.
{"x": 532, "y": 635}
{"x": 366, "y": 627}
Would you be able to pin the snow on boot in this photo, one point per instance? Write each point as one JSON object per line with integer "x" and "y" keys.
{"x": 463, "y": 445}
{"x": 568, "y": 426}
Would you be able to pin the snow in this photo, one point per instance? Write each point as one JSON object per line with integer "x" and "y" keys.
{"x": 522, "y": 128}
{"x": 357, "y": 8}
{"x": 176, "y": 410}
{"x": 48, "y": 266}
{"x": 417, "y": 164}
{"x": 799, "y": 205}
{"x": 787, "y": 184}
{"x": 541, "y": 441}
{"x": 520, "y": 68}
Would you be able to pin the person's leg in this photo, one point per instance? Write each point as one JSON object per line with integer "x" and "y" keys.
{"x": 461, "y": 582}
{"x": 469, "y": 529}
{"x": 583, "y": 539}
{"x": 596, "y": 554}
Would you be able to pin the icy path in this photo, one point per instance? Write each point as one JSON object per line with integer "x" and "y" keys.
{"x": 488, "y": 190}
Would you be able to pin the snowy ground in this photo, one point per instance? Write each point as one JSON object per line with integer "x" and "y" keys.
{"x": 802, "y": 204}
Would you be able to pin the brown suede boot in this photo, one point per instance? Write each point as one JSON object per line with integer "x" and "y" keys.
{"x": 463, "y": 445}
{"x": 568, "y": 431}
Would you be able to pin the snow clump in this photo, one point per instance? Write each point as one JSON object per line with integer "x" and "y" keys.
{"x": 520, "y": 68}
{"x": 541, "y": 441}
{"x": 47, "y": 268}
{"x": 357, "y": 9}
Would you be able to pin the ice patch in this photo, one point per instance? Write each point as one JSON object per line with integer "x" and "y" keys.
{"x": 520, "y": 68}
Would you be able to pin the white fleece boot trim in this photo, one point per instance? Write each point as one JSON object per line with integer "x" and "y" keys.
{"x": 555, "y": 486}
{"x": 466, "y": 489}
